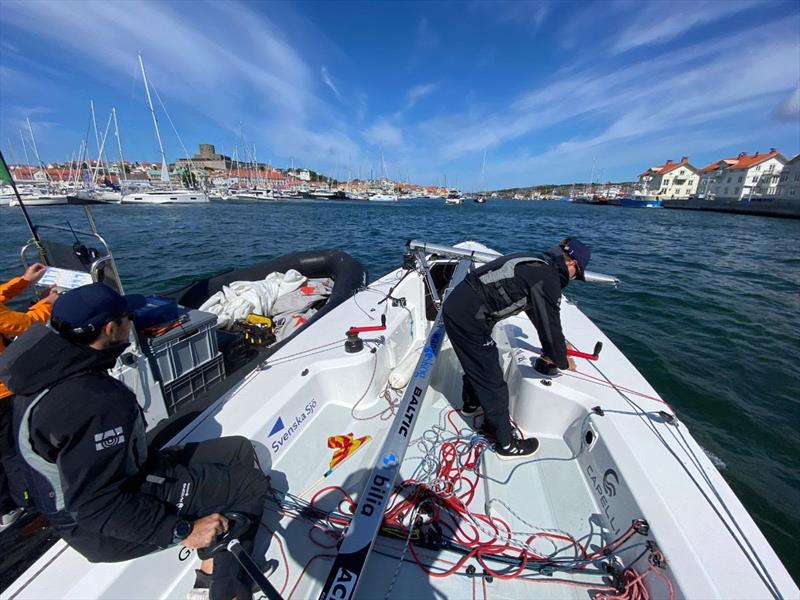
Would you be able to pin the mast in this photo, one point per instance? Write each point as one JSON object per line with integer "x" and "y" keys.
{"x": 36, "y": 152}
{"x": 25, "y": 152}
{"x": 483, "y": 171}
{"x": 164, "y": 169}
{"x": 119, "y": 144}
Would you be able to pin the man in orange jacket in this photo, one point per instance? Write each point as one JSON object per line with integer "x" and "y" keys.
{"x": 13, "y": 323}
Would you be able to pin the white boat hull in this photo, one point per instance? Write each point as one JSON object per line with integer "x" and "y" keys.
{"x": 167, "y": 197}
{"x": 597, "y": 470}
{"x": 44, "y": 200}
{"x": 384, "y": 198}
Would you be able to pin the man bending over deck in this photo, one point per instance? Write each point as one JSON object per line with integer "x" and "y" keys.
{"x": 497, "y": 290}
{"x": 80, "y": 436}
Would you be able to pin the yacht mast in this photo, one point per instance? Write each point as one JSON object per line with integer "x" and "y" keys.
{"x": 36, "y": 153}
{"x": 483, "y": 171}
{"x": 164, "y": 169}
{"x": 119, "y": 145}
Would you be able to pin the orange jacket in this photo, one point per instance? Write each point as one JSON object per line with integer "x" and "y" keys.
{"x": 13, "y": 323}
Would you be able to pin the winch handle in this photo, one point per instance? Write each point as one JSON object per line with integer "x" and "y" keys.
{"x": 357, "y": 330}
{"x": 597, "y": 348}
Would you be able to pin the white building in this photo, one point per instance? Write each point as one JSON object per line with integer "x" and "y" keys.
{"x": 751, "y": 176}
{"x": 670, "y": 180}
{"x": 710, "y": 174}
{"x": 789, "y": 183}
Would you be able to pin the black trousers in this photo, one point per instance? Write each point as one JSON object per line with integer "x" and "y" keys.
{"x": 6, "y": 449}
{"x": 472, "y": 341}
{"x": 216, "y": 476}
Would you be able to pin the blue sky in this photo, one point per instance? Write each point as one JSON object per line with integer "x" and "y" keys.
{"x": 546, "y": 89}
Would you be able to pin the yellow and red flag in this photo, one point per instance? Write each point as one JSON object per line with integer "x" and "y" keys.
{"x": 344, "y": 446}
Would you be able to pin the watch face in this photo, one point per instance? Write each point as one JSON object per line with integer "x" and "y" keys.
{"x": 183, "y": 528}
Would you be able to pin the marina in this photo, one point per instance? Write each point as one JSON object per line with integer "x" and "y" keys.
{"x": 491, "y": 300}
{"x": 635, "y": 295}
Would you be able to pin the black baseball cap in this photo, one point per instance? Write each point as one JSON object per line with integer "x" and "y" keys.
{"x": 580, "y": 253}
{"x": 89, "y": 307}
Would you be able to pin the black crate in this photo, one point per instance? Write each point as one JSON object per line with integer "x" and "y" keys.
{"x": 187, "y": 387}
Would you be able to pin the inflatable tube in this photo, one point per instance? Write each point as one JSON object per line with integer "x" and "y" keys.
{"x": 347, "y": 273}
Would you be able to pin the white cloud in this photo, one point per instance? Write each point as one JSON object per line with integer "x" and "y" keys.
{"x": 660, "y": 22}
{"x": 383, "y": 133}
{"x": 427, "y": 38}
{"x": 422, "y": 90}
{"x": 790, "y": 109}
{"x": 327, "y": 79}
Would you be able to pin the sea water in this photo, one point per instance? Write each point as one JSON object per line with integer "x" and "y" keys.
{"x": 708, "y": 308}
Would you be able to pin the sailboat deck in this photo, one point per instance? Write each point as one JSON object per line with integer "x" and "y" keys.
{"x": 546, "y": 493}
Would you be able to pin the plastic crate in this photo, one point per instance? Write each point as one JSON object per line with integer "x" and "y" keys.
{"x": 189, "y": 386}
{"x": 183, "y": 349}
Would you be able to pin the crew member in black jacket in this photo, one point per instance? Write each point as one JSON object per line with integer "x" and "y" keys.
{"x": 497, "y": 290}
{"x": 83, "y": 456}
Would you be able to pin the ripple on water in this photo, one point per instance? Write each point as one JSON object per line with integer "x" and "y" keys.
{"x": 706, "y": 310}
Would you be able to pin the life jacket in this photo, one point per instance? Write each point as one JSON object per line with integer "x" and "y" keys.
{"x": 496, "y": 285}
{"x": 36, "y": 482}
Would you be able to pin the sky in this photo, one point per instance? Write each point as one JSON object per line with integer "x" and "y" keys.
{"x": 548, "y": 91}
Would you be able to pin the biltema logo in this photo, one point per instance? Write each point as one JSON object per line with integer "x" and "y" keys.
{"x": 291, "y": 428}
{"x": 343, "y": 585}
{"x": 108, "y": 439}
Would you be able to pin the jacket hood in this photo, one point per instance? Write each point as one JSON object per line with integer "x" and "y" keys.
{"x": 40, "y": 358}
{"x": 555, "y": 256}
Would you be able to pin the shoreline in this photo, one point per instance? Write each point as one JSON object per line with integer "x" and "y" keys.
{"x": 785, "y": 209}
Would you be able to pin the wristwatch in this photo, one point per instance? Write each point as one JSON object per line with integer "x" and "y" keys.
{"x": 181, "y": 530}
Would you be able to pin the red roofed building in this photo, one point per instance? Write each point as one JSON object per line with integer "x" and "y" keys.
{"x": 744, "y": 177}
{"x": 670, "y": 180}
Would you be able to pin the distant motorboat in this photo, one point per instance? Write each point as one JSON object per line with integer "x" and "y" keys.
{"x": 383, "y": 197}
{"x": 454, "y": 198}
{"x": 166, "y": 197}
{"x": 641, "y": 202}
{"x": 254, "y": 194}
{"x": 480, "y": 199}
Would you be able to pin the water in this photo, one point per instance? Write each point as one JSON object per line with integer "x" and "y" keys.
{"x": 708, "y": 309}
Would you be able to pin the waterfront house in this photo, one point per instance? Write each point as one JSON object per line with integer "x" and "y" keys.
{"x": 789, "y": 182}
{"x": 751, "y": 176}
{"x": 710, "y": 174}
{"x": 670, "y": 180}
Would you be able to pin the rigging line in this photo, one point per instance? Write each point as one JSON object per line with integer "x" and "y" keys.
{"x": 180, "y": 141}
{"x": 762, "y": 572}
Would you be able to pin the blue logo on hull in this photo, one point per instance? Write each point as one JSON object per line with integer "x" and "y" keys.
{"x": 277, "y": 427}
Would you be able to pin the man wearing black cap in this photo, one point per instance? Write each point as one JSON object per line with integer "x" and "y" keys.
{"x": 497, "y": 290}
{"x": 83, "y": 455}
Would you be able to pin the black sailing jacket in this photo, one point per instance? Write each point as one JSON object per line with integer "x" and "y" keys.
{"x": 540, "y": 285}
{"x": 85, "y": 448}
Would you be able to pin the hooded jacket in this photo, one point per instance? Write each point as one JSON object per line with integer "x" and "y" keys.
{"x": 80, "y": 436}
{"x": 533, "y": 285}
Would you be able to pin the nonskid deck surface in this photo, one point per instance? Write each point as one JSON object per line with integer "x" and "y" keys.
{"x": 546, "y": 494}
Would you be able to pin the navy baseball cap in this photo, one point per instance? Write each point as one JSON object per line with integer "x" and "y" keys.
{"x": 579, "y": 253}
{"x": 89, "y": 307}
